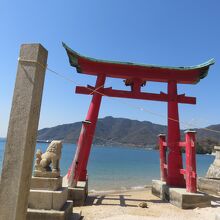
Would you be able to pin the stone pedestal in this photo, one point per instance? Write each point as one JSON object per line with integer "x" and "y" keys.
{"x": 46, "y": 174}
{"x": 210, "y": 186}
{"x": 48, "y": 200}
{"x": 211, "y": 182}
{"x": 79, "y": 193}
{"x": 179, "y": 197}
{"x": 40, "y": 214}
{"x": 46, "y": 183}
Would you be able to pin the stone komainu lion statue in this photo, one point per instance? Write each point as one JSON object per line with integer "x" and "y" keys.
{"x": 51, "y": 156}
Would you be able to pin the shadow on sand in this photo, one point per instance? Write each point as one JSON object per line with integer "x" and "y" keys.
{"x": 117, "y": 200}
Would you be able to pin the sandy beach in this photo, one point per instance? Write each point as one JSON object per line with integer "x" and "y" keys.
{"x": 124, "y": 205}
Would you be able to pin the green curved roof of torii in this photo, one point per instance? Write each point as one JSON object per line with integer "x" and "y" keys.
{"x": 125, "y": 70}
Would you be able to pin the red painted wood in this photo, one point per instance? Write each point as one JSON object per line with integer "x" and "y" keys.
{"x": 174, "y": 178}
{"x": 183, "y": 171}
{"x": 182, "y": 144}
{"x": 191, "y": 185}
{"x": 165, "y": 144}
{"x": 163, "y": 167}
{"x": 78, "y": 169}
{"x": 76, "y": 166}
{"x": 135, "y": 95}
{"x": 145, "y": 73}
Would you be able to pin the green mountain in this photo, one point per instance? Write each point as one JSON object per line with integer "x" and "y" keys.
{"x": 126, "y": 132}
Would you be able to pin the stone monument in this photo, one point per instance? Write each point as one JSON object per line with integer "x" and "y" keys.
{"x": 211, "y": 182}
{"x": 22, "y": 132}
{"x": 47, "y": 198}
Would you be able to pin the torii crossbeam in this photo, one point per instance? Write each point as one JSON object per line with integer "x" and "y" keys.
{"x": 135, "y": 76}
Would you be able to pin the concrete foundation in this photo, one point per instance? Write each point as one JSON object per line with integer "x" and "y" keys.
{"x": 79, "y": 193}
{"x": 179, "y": 197}
{"x": 46, "y": 199}
{"x": 160, "y": 189}
{"x": 46, "y": 183}
{"x": 46, "y": 174}
{"x": 210, "y": 186}
{"x": 39, "y": 214}
{"x": 185, "y": 200}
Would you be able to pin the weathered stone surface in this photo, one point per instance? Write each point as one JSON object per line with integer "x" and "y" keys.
{"x": 211, "y": 183}
{"x": 51, "y": 156}
{"x": 78, "y": 194}
{"x": 64, "y": 214}
{"x": 185, "y": 200}
{"x": 46, "y": 199}
{"x": 179, "y": 197}
{"x": 83, "y": 185}
{"x": 76, "y": 215}
{"x": 213, "y": 172}
{"x": 159, "y": 189}
{"x": 22, "y": 132}
{"x": 46, "y": 183}
{"x": 40, "y": 199}
{"x": 46, "y": 174}
{"x": 211, "y": 186}
{"x": 59, "y": 198}
{"x": 214, "y": 169}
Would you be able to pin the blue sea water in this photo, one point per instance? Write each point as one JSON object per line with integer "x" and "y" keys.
{"x": 112, "y": 168}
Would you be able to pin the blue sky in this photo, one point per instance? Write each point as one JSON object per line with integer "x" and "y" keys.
{"x": 171, "y": 33}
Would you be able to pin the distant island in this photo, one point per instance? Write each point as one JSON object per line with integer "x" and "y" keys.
{"x": 125, "y": 132}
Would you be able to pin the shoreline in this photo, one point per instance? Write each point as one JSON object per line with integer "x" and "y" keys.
{"x": 112, "y": 191}
{"x": 116, "y": 191}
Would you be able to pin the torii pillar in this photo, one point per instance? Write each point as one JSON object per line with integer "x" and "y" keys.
{"x": 174, "y": 177}
{"x": 78, "y": 169}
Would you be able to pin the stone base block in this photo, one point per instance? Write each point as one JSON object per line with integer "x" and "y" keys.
{"x": 45, "y": 199}
{"x": 76, "y": 215}
{"x": 46, "y": 183}
{"x": 160, "y": 189}
{"x": 47, "y": 174}
{"x": 83, "y": 185}
{"x": 185, "y": 200}
{"x": 40, "y": 214}
{"x": 179, "y": 197}
{"x": 79, "y": 193}
{"x": 211, "y": 186}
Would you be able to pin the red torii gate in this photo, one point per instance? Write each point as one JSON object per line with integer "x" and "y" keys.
{"x": 135, "y": 76}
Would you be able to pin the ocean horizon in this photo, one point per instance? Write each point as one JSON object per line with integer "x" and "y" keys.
{"x": 118, "y": 168}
